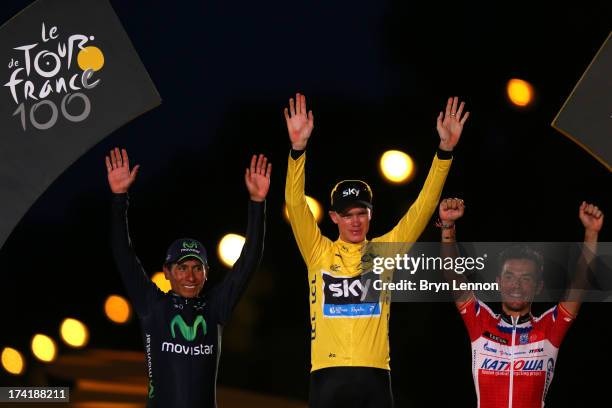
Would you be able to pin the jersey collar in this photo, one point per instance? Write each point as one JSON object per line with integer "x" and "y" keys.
{"x": 176, "y": 298}
{"x": 523, "y": 319}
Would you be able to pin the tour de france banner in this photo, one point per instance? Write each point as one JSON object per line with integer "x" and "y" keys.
{"x": 492, "y": 271}
{"x": 71, "y": 77}
{"x": 585, "y": 117}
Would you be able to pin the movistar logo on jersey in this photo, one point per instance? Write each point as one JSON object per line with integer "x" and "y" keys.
{"x": 519, "y": 365}
{"x": 199, "y": 350}
{"x": 190, "y": 245}
{"x": 189, "y": 333}
{"x": 349, "y": 297}
{"x": 151, "y": 389}
{"x": 150, "y": 366}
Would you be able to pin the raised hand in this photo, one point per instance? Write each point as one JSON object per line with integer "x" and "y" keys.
{"x": 451, "y": 209}
{"x": 120, "y": 178}
{"x": 450, "y": 124}
{"x": 257, "y": 177}
{"x": 299, "y": 123}
{"x": 591, "y": 217}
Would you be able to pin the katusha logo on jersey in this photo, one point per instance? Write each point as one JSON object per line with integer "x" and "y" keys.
{"x": 49, "y": 78}
{"x": 492, "y": 364}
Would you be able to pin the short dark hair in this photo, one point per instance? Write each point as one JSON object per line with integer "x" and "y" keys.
{"x": 522, "y": 252}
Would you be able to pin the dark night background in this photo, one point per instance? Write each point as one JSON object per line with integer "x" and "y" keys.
{"x": 375, "y": 74}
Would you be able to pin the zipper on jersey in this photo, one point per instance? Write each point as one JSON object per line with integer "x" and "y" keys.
{"x": 514, "y": 322}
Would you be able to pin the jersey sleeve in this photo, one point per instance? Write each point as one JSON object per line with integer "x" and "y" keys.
{"x": 226, "y": 295}
{"x": 556, "y": 321}
{"x": 471, "y": 313}
{"x": 140, "y": 289}
{"x": 415, "y": 220}
{"x": 310, "y": 241}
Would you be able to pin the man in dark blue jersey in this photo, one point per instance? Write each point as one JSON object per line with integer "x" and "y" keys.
{"x": 181, "y": 329}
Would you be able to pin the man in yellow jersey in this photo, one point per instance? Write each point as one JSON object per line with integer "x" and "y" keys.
{"x": 349, "y": 338}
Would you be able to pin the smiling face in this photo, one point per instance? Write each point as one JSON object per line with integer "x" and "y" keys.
{"x": 187, "y": 277}
{"x": 353, "y": 223}
{"x": 519, "y": 282}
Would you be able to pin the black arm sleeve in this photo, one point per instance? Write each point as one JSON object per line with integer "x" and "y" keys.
{"x": 139, "y": 287}
{"x": 227, "y": 294}
{"x": 444, "y": 154}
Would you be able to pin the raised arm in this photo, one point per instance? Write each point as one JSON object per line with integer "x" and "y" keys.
{"x": 450, "y": 210}
{"x": 300, "y": 122}
{"x": 449, "y": 125}
{"x": 228, "y": 293}
{"x": 138, "y": 285}
{"x": 592, "y": 221}
{"x": 309, "y": 239}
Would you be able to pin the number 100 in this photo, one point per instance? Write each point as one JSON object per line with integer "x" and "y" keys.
{"x": 21, "y": 110}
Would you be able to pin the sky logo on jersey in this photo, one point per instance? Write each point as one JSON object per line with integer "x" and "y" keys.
{"x": 350, "y": 297}
{"x": 189, "y": 333}
{"x": 519, "y": 365}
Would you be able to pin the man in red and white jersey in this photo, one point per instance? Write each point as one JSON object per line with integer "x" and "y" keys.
{"x": 514, "y": 353}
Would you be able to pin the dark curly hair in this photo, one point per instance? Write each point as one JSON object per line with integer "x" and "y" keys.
{"x": 522, "y": 252}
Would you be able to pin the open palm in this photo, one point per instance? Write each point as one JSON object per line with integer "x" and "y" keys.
{"x": 450, "y": 124}
{"x": 257, "y": 177}
{"x": 299, "y": 122}
{"x": 120, "y": 178}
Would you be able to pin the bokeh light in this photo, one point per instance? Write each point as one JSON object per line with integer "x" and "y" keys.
{"x": 74, "y": 333}
{"x": 117, "y": 309}
{"x": 315, "y": 208}
{"x": 162, "y": 283}
{"x": 520, "y": 92}
{"x": 44, "y": 348}
{"x": 12, "y": 361}
{"x": 396, "y": 166}
{"x": 229, "y": 248}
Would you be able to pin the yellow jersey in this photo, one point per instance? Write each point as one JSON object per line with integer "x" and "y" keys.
{"x": 345, "y": 333}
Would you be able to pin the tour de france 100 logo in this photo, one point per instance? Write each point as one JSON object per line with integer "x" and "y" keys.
{"x": 48, "y": 77}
